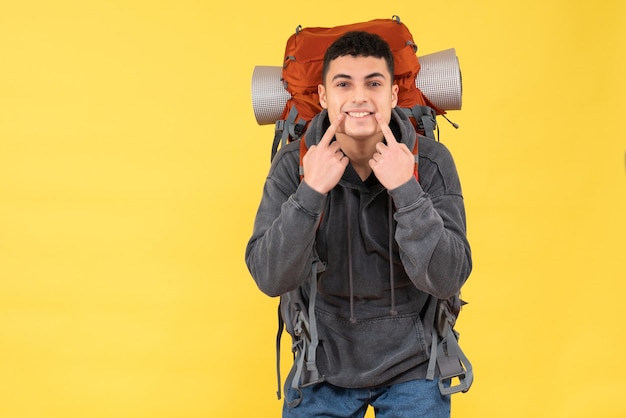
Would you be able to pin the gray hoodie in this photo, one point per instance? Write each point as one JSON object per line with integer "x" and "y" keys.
{"x": 386, "y": 257}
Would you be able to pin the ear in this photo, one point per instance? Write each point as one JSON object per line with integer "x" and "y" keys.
{"x": 321, "y": 92}
{"x": 394, "y": 95}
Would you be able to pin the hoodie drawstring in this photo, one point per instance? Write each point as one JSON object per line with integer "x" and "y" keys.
{"x": 392, "y": 286}
{"x": 350, "y": 275}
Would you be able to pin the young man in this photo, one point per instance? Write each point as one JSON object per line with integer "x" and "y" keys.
{"x": 385, "y": 247}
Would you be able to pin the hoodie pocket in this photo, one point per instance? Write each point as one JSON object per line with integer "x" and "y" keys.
{"x": 369, "y": 352}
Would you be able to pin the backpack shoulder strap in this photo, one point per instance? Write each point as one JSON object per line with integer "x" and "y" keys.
{"x": 303, "y": 150}
{"x": 425, "y": 118}
{"x": 416, "y": 156}
{"x": 288, "y": 129}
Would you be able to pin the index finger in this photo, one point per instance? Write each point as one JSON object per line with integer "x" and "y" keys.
{"x": 386, "y": 130}
{"x": 330, "y": 132}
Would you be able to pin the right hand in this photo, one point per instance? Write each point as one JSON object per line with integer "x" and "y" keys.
{"x": 325, "y": 163}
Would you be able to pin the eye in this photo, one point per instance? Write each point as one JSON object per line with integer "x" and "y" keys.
{"x": 375, "y": 84}
{"x": 342, "y": 84}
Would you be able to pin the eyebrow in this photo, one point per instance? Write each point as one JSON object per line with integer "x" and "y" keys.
{"x": 367, "y": 77}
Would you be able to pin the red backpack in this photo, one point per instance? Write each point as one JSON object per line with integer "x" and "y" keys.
{"x": 302, "y": 73}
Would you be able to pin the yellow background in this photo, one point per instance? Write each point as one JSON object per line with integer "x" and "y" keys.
{"x": 131, "y": 167}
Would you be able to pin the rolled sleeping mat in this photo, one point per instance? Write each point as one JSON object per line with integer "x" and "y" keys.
{"x": 439, "y": 79}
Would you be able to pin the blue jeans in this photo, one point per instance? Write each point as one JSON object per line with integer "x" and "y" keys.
{"x": 413, "y": 399}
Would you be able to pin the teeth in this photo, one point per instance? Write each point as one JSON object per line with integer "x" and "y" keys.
{"x": 358, "y": 114}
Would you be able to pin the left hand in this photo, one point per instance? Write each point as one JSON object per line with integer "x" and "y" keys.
{"x": 393, "y": 163}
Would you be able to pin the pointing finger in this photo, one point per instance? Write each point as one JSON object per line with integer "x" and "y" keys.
{"x": 384, "y": 127}
{"x": 330, "y": 132}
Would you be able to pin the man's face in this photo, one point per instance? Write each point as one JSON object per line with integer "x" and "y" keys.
{"x": 359, "y": 87}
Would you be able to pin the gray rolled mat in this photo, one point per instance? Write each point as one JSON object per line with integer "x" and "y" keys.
{"x": 439, "y": 79}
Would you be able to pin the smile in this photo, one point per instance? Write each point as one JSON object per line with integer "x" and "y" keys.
{"x": 358, "y": 114}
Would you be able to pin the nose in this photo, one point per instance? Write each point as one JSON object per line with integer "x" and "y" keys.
{"x": 359, "y": 95}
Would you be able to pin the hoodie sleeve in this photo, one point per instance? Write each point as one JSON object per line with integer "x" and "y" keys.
{"x": 431, "y": 229}
{"x": 281, "y": 250}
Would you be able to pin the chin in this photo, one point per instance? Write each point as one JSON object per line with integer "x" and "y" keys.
{"x": 362, "y": 133}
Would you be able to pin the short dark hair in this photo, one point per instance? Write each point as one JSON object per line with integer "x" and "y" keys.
{"x": 358, "y": 44}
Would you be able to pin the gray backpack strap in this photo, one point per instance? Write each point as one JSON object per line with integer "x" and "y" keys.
{"x": 285, "y": 128}
{"x": 281, "y": 130}
{"x": 279, "y": 334}
{"x": 305, "y": 341}
{"x": 453, "y": 364}
{"x": 446, "y": 354}
{"x": 295, "y": 377}
{"x": 310, "y": 361}
{"x": 432, "y": 361}
{"x": 425, "y": 118}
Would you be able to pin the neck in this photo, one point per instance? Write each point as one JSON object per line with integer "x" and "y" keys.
{"x": 359, "y": 152}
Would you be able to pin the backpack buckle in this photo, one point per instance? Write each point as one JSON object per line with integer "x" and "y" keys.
{"x": 452, "y": 369}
